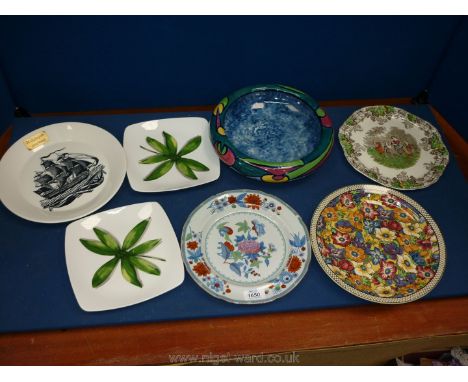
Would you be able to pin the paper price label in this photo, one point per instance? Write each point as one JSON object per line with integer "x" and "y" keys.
{"x": 36, "y": 140}
{"x": 253, "y": 294}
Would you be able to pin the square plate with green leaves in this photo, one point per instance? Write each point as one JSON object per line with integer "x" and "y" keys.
{"x": 122, "y": 256}
{"x": 170, "y": 154}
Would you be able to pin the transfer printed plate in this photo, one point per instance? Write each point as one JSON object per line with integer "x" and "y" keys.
{"x": 245, "y": 247}
{"x": 378, "y": 244}
{"x": 393, "y": 147}
{"x": 61, "y": 172}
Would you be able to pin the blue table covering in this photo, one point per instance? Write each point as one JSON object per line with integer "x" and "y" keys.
{"x": 36, "y": 294}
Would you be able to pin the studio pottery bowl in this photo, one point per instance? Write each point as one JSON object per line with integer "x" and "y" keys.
{"x": 272, "y": 133}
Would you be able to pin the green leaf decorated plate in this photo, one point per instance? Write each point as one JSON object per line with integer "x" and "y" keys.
{"x": 378, "y": 244}
{"x": 123, "y": 256}
{"x": 245, "y": 247}
{"x": 170, "y": 154}
{"x": 393, "y": 147}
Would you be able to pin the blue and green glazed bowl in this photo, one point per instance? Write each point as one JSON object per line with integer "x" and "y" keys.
{"x": 272, "y": 133}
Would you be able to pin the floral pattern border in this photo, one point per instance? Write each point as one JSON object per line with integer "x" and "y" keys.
{"x": 431, "y": 143}
{"x": 334, "y": 273}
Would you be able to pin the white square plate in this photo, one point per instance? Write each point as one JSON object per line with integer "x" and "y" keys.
{"x": 183, "y": 130}
{"x": 116, "y": 292}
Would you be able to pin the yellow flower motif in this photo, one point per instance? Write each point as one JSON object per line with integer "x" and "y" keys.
{"x": 413, "y": 229}
{"x": 404, "y": 216}
{"x": 356, "y": 219}
{"x": 338, "y": 271}
{"x": 384, "y": 234}
{"x": 383, "y": 290}
{"x": 406, "y": 263}
{"x": 329, "y": 214}
{"x": 355, "y": 254}
{"x": 409, "y": 289}
{"x": 364, "y": 270}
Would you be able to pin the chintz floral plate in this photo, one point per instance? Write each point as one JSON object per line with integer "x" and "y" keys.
{"x": 245, "y": 247}
{"x": 378, "y": 244}
{"x": 170, "y": 154}
{"x": 122, "y": 256}
{"x": 393, "y": 147}
{"x": 61, "y": 172}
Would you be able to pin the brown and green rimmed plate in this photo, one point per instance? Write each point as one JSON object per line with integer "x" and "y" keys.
{"x": 393, "y": 147}
{"x": 378, "y": 244}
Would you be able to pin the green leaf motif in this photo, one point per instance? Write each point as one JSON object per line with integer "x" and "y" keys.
{"x": 135, "y": 234}
{"x": 190, "y": 146}
{"x": 107, "y": 239}
{"x": 154, "y": 159}
{"x": 167, "y": 154}
{"x": 158, "y": 146}
{"x": 129, "y": 272}
{"x": 185, "y": 170}
{"x": 145, "y": 247}
{"x": 171, "y": 143}
{"x": 97, "y": 247}
{"x": 103, "y": 273}
{"x": 195, "y": 165}
{"x": 243, "y": 226}
{"x": 145, "y": 266}
{"x": 159, "y": 171}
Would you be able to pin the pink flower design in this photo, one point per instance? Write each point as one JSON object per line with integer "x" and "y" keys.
{"x": 249, "y": 246}
{"x": 369, "y": 211}
{"x": 390, "y": 201}
{"x": 347, "y": 200}
{"x": 387, "y": 270}
{"x": 425, "y": 272}
{"x": 341, "y": 239}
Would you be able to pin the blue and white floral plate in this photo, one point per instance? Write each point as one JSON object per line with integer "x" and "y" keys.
{"x": 245, "y": 247}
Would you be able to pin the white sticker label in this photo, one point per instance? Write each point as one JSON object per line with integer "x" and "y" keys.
{"x": 253, "y": 294}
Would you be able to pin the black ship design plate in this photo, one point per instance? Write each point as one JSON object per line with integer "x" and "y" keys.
{"x": 61, "y": 172}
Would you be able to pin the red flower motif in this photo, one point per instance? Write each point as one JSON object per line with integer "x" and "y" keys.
{"x": 232, "y": 199}
{"x": 425, "y": 272}
{"x": 341, "y": 239}
{"x": 201, "y": 269}
{"x": 347, "y": 200}
{"x": 428, "y": 230}
{"x": 392, "y": 224}
{"x": 294, "y": 264}
{"x": 345, "y": 265}
{"x": 192, "y": 245}
{"x": 229, "y": 246}
{"x": 369, "y": 210}
{"x": 425, "y": 244}
{"x": 390, "y": 201}
{"x": 387, "y": 270}
{"x": 324, "y": 250}
{"x": 253, "y": 201}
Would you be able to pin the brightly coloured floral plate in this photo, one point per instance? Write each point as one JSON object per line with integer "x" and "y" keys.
{"x": 378, "y": 244}
{"x": 245, "y": 247}
{"x": 393, "y": 147}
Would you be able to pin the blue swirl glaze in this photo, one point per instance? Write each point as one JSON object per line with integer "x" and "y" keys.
{"x": 272, "y": 126}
